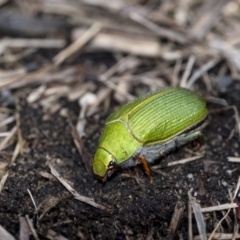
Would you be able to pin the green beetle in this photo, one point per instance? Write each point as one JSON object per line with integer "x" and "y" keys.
{"x": 148, "y": 127}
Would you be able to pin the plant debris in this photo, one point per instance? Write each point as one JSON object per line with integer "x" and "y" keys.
{"x": 64, "y": 67}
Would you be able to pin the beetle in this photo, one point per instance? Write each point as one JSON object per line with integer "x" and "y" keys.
{"x": 148, "y": 127}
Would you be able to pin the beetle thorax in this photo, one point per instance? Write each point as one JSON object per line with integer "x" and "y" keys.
{"x": 118, "y": 141}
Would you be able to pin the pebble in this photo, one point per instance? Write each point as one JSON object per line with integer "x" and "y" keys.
{"x": 190, "y": 176}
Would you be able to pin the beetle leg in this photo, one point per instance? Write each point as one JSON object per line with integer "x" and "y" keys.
{"x": 146, "y": 167}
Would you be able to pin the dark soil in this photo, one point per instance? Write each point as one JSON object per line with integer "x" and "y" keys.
{"x": 136, "y": 208}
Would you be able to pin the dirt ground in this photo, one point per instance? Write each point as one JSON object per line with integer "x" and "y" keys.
{"x": 135, "y": 208}
{"x": 41, "y": 92}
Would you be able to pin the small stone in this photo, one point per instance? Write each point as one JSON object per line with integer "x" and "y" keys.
{"x": 224, "y": 183}
{"x": 190, "y": 176}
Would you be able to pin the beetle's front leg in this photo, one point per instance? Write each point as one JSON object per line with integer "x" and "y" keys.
{"x": 141, "y": 159}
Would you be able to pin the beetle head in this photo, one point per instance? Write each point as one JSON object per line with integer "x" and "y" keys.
{"x": 102, "y": 163}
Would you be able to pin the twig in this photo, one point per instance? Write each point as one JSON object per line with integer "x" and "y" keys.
{"x": 181, "y": 161}
{"x": 8, "y": 138}
{"x": 219, "y": 207}
{"x": 34, "y": 43}
{"x": 5, "y": 235}
{"x": 33, "y": 201}
{"x": 35, "y": 235}
{"x": 197, "y": 74}
{"x": 74, "y": 192}
{"x": 24, "y": 229}
{"x": 220, "y": 236}
{"x": 208, "y": 15}
{"x": 234, "y": 159}
{"x": 188, "y": 70}
{"x": 176, "y": 218}
{"x": 234, "y": 196}
{"x": 78, "y": 44}
{"x": 162, "y": 32}
{"x": 7, "y": 121}
{"x": 3, "y": 180}
{"x": 190, "y": 233}
{"x": 198, "y": 216}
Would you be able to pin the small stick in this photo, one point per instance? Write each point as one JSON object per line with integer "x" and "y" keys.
{"x": 24, "y": 229}
{"x": 188, "y": 70}
{"x": 162, "y": 32}
{"x": 197, "y": 74}
{"x": 234, "y": 159}
{"x": 221, "y": 236}
{"x": 31, "y": 196}
{"x": 219, "y": 207}
{"x": 35, "y": 235}
{"x": 176, "y": 218}
{"x": 3, "y": 180}
{"x": 4, "y": 234}
{"x": 219, "y": 223}
{"x": 7, "y": 121}
{"x": 198, "y": 216}
{"x": 78, "y": 44}
{"x": 181, "y": 161}
{"x": 74, "y": 192}
{"x": 8, "y": 138}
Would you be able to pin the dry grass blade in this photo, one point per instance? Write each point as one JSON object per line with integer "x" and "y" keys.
{"x": 52, "y": 235}
{"x": 74, "y": 192}
{"x": 3, "y": 180}
{"x": 7, "y": 121}
{"x": 49, "y": 203}
{"x": 188, "y": 70}
{"x": 162, "y": 32}
{"x": 77, "y": 45}
{"x": 234, "y": 159}
{"x": 176, "y": 218}
{"x": 234, "y": 196}
{"x": 140, "y": 46}
{"x": 24, "y": 229}
{"x": 26, "y": 79}
{"x": 34, "y": 233}
{"x": 198, "y": 216}
{"x": 219, "y": 207}
{"x": 5, "y": 235}
{"x": 207, "y": 17}
{"x": 34, "y": 43}
{"x": 221, "y": 236}
{"x": 86, "y": 158}
{"x": 197, "y": 74}
{"x": 181, "y": 161}
{"x": 33, "y": 201}
{"x": 230, "y": 52}
{"x": 4, "y": 143}
{"x": 190, "y": 232}
{"x": 114, "y": 87}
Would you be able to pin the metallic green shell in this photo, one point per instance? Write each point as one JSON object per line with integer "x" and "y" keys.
{"x": 159, "y": 116}
{"x": 118, "y": 141}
